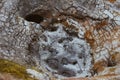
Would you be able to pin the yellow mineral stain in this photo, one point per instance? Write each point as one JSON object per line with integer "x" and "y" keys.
{"x": 14, "y": 69}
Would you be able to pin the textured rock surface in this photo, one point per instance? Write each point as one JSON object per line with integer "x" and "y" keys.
{"x": 69, "y": 55}
{"x": 64, "y": 38}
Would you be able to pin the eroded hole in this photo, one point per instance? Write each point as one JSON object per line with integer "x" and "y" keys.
{"x": 52, "y": 29}
{"x": 111, "y": 62}
{"x": 53, "y": 63}
{"x": 74, "y": 62}
{"x": 63, "y": 39}
{"x": 44, "y": 38}
{"x": 64, "y": 61}
{"x": 34, "y": 18}
{"x": 67, "y": 72}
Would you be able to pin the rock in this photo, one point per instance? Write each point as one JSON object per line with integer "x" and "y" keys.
{"x": 67, "y": 38}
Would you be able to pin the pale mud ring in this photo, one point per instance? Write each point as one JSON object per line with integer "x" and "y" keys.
{"x": 64, "y": 55}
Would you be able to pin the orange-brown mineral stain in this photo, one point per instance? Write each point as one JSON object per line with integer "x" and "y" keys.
{"x": 70, "y": 29}
{"x": 112, "y": 1}
{"x": 89, "y": 38}
{"x": 100, "y": 25}
{"x": 99, "y": 66}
